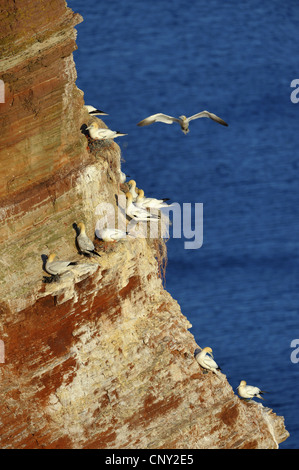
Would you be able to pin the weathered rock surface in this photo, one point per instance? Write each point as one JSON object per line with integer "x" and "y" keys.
{"x": 103, "y": 358}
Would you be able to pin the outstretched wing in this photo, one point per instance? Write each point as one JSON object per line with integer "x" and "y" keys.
{"x": 160, "y": 117}
{"x": 94, "y": 111}
{"x": 208, "y": 115}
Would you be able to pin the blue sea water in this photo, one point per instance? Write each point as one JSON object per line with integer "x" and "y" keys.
{"x": 240, "y": 290}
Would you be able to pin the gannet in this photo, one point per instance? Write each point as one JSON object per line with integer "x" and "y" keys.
{"x": 111, "y": 234}
{"x": 102, "y": 133}
{"x": 94, "y": 111}
{"x": 133, "y": 189}
{"x": 56, "y": 268}
{"x": 122, "y": 177}
{"x": 138, "y": 213}
{"x": 249, "y": 391}
{"x": 150, "y": 202}
{"x": 204, "y": 357}
{"x": 182, "y": 120}
{"x": 85, "y": 245}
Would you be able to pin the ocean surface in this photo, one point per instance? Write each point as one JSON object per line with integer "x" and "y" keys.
{"x": 240, "y": 290}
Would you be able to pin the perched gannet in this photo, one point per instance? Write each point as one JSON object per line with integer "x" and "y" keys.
{"x": 94, "y": 111}
{"x": 204, "y": 357}
{"x": 111, "y": 234}
{"x": 85, "y": 245}
{"x": 122, "y": 177}
{"x": 182, "y": 120}
{"x": 249, "y": 391}
{"x": 150, "y": 202}
{"x": 102, "y": 133}
{"x": 138, "y": 213}
{"x": 133, "y": 189}
{"x": 56, "y": 268}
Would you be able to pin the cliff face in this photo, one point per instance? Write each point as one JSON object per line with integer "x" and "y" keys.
{"x": 103, "y": 358}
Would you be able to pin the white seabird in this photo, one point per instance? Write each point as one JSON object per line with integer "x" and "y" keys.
{"x": 85, "y": 245}
{"x": 111, "y": 234}
{"x": 138, "y": 213}
{"x": 249, "y": 391}
{"x": 150, "y": 202}
{"x": 182, "y": 120}
{"x": 133, "y": 189}
{"x": 122, "y": 177}
{"x": 204, "y": 357}
{"x": 56, "y": 268}
{"x": 98, "y": 133}
{"x": 94, "y": 111}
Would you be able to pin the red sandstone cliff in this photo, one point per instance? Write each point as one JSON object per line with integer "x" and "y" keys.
{"x": 102, "y": 359}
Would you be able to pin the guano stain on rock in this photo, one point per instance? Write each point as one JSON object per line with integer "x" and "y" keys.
{"x": 229, "y": 414}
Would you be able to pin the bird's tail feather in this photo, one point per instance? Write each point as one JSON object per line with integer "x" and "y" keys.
{"x": 95, "y": 253}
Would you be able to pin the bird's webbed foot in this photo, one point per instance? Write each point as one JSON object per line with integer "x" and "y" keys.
{"x": 53, "y": 278}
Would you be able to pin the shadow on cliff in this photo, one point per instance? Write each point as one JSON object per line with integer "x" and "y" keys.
{"x": 44, "y": 260}
{"x": 47, "y": 279}
{"x": 84, "y": 130}
{"x": 77, "y": 230}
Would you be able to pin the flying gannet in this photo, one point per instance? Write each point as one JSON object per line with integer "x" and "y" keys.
{"x": 150, "y": 202}
{"x": 56, "y": 268}
{"x": 205, "y": 358}
{"x": 249, "y": 391}
{"x": 138, "y": 213}
{"x": 94, "y": 111}
{"x": 182, "y": 120}
{"x": 98, "y": 133}
{"x": 85, "y": 245}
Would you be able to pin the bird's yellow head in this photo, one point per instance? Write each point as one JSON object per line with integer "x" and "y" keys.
{"x": 208, "y": 350}
{"x": 140, "y": 193}
{"x": 81, "y": 227}
{"x": 132, "y": 183}
{"x": 242, "y": 383}
{"x": 93, "y": 125}
{"x": 51, "y": 257}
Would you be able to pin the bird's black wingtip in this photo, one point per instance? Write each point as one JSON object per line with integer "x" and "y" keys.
{"x": 96, "y": 253}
